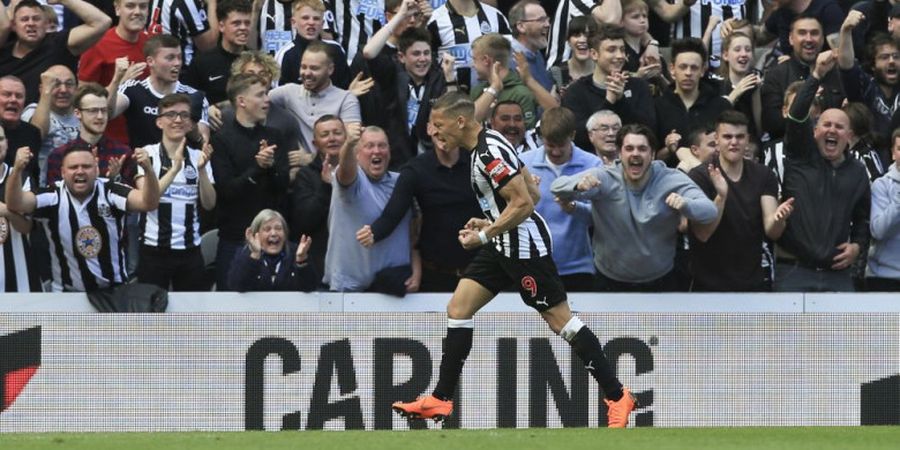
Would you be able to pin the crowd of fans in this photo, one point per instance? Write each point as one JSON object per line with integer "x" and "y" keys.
{"x": 678, "y": 146}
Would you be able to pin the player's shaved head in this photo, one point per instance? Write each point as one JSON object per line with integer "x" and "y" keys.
{"x": 454, "y": 104}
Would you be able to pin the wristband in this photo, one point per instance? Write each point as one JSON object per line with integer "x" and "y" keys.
{"x": 653, "y": 42}
{"x": 482, "y": 236}
{"x": 491, "y": 90}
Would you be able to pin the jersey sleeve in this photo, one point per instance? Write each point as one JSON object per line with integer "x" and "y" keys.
{"x": 118, "y": 194}
{"x": 499, "y": 164}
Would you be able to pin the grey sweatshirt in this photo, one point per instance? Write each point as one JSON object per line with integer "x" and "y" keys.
{"x": 634, "y": 230}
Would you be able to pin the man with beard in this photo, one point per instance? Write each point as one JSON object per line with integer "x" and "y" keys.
{"x": 602, "y": 128}
{"x": 19, "y": 133}
{"x": 83, "y": 217}
{"x": 726, "y": 254}
{"x": 53, "y": 114}
{"x": 361, "y": 188}
{"x": 34, "y": 50}
{"x": 691, "y": 103}
{"x": 307, "y": 20}
{"x": 317, "y": 96}
{"x": 209, "y": 70}
{"x": 609, "y": 87}
{"x": 637, "y": 206}
{"x": 126, "y": 40}
{"x": 508, "y": 119}
{"x": 830, "y": 224}
{"x": 530, "y": 27}
{"x": 807, "y": 40}
{"x": 878, "y": 91}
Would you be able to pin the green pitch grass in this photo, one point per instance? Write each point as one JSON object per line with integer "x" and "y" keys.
{"x": 869, "y": 438}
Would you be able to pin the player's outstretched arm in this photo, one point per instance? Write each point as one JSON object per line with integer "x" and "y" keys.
{"x": 519, "y": 207}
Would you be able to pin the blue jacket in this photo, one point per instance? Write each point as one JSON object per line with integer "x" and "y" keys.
{"x": 248, "y": 274}
{"x": 572, "y": 251}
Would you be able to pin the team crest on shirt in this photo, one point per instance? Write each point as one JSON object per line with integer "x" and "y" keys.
{"x": 190, "y": 173}
{"x": 88, "y": 242}
{"x": 4, "y": 230}
{"x": 498, "y": 170}
{"x": 104, "y": 210}
{"x": 485, "y": 27}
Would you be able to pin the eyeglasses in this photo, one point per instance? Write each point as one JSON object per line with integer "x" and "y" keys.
{"x": 607, "y": 128}
{"x": 542, "y": 19}
{"x": 70, "y": 84}
{"x": 94, "y": 111}
{"x": 172, "y": 115}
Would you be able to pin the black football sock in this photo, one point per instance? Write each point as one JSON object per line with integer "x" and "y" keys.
{"x": 456, "y": 349}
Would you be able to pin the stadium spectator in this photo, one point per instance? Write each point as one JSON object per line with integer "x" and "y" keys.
{"x": 307, "y": 21}
{"x": 408, "y": 88}
{"x": 602, "y": 128}
{"x": 861, "y": 141}
{"x": 883, "y": 270}
{"x": 15, "y": 252}
{"x": 807, "y": 41}
{"x": 440, "y": 183}
{"x": 209, "y": 69}
{"x": 170, "y": 252}
{"x": 580, "y": 63}
{"x": 310, "y": 190}
{"x": 54, "y": 113}
{"x": 568, "y": 221}
{"x": 637, "y": 206}
{"x": 530, "y": 29}
{"x": 740, "y": 81}
{"x": 127, "y": 39}
{"x": 454, "y": 28}
{"x": 565, "y": 20}
{"x": 317, "y": 95}
{"x": 490, "y": 62}
{"x": 700, "y": 150}
{"x": 114, "y": 159}
{"x": 272, "y": 25}
{"x": 250, "y": 164}
{"x": 34, "y": 49}
{"x": 269, "y": 261}
{"x": 691, "y": 102}
{"x": 137, "y": 99}
{"x": 880, "y": 90}
{"x": 609, "y": 87}
{"x": 513, "y": 250}
{"x": 361, "y": 188}
{"x": 634, "y": 25}
{"x": 87, "y": 253}
{"x": 19, "y": 133}
{"x": 188, "y": 21}
{"x": 508, "y": 119}
{"x": 726, "y": 253}
{"x": 830, "y": 223}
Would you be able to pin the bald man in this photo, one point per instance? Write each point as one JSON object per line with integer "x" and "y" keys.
{"x": 53, "y": 114}
{"x": 830, "y": 224}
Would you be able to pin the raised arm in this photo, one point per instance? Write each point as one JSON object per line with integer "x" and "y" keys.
{"x": 17, "y": 200}
{"x": 146, "y": 197}
{"x": 96, "y": 23}
{"x": 607, "y": 12}
{"x": 669, "y": 12}
{"x": 846, "y": 55}
{"x": 378, "y": 40}
{"x": 346, "y": 171}
{"x": 208, "y": 39}
{"x": 488, "y": 96}
{"x": 41, "y": 116}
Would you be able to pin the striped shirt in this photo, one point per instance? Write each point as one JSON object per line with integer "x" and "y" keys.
{"x": 494, "y": 164}
{"x": 183, "y": 19}
{"x": 558, "y": 50}
{"x": 85, "y": 250}
{"x": 454, "y": 33}
{"x": 694, "y": 23}
{"x": 275, "y": 29}
{"x": 141, "y": 111}
{"x": 15, "y": 256}
{"x": 353, "y": 21}
{"x": 176, "y": 223}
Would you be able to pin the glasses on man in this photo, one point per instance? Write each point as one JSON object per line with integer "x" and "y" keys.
{"x": 606, "y": 129}
{"x": 94, "y": 111}
{"x": 542, "y": 19}
{"x": 172, "y": 115}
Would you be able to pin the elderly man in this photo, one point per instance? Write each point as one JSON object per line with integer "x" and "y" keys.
{"x": 19, "y": 133}
{"x": 602, "y": 128}
{"x": 54, "y": 113}
{"x": 361, "y": 188}
{"x": 637, "y": 206}
{"x": 88, "y": 252}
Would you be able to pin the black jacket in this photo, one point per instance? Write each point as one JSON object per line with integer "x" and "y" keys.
{"x": 584, "y": 98}
{"x": 777, "y": 81}
{"x": 309, "y": 202}
{"x": 672, "y": 114}
{"x": 248, "y": 274}
{"x": 831, "y": 204}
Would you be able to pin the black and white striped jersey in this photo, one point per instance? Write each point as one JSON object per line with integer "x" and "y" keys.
{"x": 694, "y": 23}
{"x": 176, "y": 223}
{"x": 141, "y": 112}
{"x": 183, "y": 19}
{"x": 275, "y": 29}
{"x": 15, "y": 254}
{"x": 85, "y": 237}
{"x": 353, "y": 21}
{"x": 454, "y": 33}
{"x": 494, "y": 164}
{"x": 558, "y": 49}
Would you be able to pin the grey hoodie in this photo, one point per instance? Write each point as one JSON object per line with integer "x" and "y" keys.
{"x": 634, "y": 230}
{"x": 884, "y": 224}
